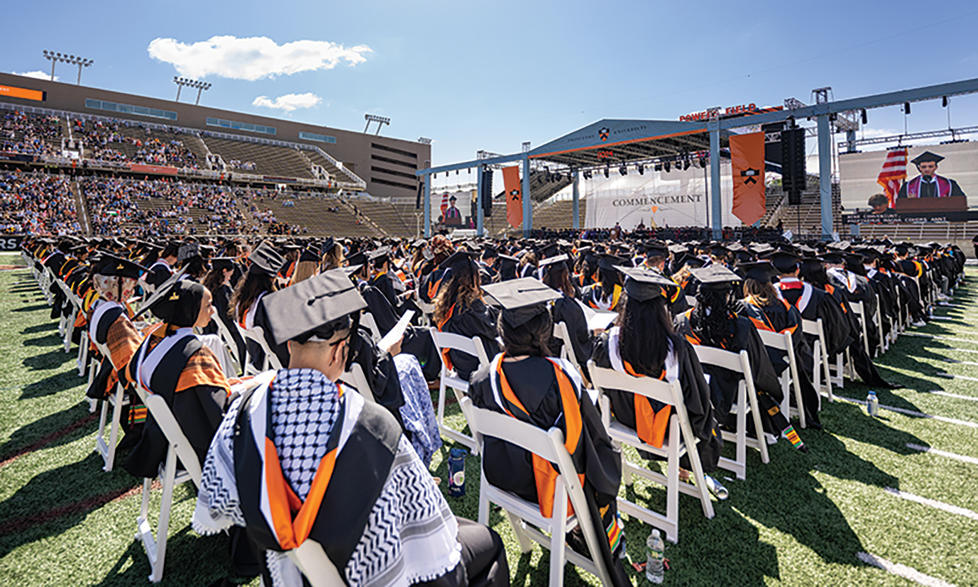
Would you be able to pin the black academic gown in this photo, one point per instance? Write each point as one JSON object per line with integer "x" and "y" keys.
{"x": 476, "y": 320}
{"x": 724, "y": 383}
{"x": 417, "y": 341}
{"x": 814, "y": 303}
{"x": 221, "y": 302}
{"x": 696, "y": 398}
{"x": 568, "y": 311}
{"x": 508, "y": 467}
{"x": 780, "y": 316}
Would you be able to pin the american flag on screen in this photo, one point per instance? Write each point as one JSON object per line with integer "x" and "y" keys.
{"x": 444, "y": 203}
{"x": 893, "y": 174}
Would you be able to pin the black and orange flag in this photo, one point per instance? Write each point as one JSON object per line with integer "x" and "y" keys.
{"x": 514, "y": 196}
{"x": 747, "y": 161}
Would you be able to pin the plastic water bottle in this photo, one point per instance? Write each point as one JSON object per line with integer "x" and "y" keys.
{"x": 456, "y": 472}
{"x": 872, "y": 404}
{"x": 654, "y": 561}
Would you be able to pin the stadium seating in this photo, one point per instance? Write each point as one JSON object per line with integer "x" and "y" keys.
{"x": 37, "y": 203}
{"x": 267, "y": 159}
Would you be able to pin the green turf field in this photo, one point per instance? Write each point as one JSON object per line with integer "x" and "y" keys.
{"x": 801, "y": 520}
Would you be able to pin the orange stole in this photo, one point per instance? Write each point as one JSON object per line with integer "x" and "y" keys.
{"x": 649, "y": 425}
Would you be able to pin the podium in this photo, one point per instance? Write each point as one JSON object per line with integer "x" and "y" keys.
{"x": 922, "y": 205}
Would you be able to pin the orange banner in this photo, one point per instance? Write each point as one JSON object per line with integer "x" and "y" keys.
{"x": 747, "y": 161}
{"x": 514, "y": 196}
{"x": 23, "y": 93}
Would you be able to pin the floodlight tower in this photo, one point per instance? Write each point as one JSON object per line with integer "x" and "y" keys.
{"x": 380, "y": 120}
{"x": 190, "y": 83}
{"x": 55, "y": 57}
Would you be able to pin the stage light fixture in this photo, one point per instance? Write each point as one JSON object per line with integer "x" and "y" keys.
{"x": 703, "y": 162}
{"x": 657, "y": 167}
{"x": 685, "y": 164}
{"x": 607, "y": 171}
{"x": 944, "y": 101}
{"x": 623, "y": 170}
{"x": 906, "y": 107}
{"x": 641, "y": 169}
{"x": 667, "y": 166}
{"x": 865, "y": 116}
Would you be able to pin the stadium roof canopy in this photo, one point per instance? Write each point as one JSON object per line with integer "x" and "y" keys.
{"x": 616, "y": 141}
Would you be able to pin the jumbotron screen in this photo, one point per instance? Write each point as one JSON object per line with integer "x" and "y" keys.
{"x": 22, "y": 93}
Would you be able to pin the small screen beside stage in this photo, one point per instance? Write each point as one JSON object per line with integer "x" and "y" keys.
{"x": 22, "y": 93}
{"x": 937, "y": 183}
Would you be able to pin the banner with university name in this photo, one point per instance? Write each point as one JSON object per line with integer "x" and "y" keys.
{"x": 656, "y": 198}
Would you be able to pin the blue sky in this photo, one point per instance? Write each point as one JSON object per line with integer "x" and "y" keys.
{"x": 489, "y": 76}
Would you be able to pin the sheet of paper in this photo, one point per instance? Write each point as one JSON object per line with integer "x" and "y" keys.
{"x": 597, "y": 319}
{"x": 395, "y": 334}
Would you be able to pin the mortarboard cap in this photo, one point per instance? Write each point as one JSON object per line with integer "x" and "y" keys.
{"x": 314, "y": 309}
{"x": 784, "y": 261}
{"x": 643, "y": 285}
{"x": 108, "y": 264}
{"x": 521, "y": 300}
{"x": 761, "y": 271}
{"x": 925, "y": 157}
{"x": 266, "y": 259}
{"x": 833, "y": 258}
{"x": 221, "y": 263}
{"x": 688, "y": 260}
{"x": 715, "y": 276}
{"x": 609, "y": 262}
{"x": 176, "y": 302}
{"x": 657, "y": 248}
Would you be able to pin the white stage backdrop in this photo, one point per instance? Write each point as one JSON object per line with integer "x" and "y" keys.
{"x": 657, "y": 198}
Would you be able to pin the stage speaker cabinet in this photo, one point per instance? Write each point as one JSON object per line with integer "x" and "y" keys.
{"x": 793, "y": 176}
{"x": 794, "y": 197}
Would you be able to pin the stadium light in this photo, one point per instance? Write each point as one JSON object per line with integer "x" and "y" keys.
{"x": 190, "y": 83}
{"x": 380, "y": 120}
{"x": 623, "y": 170}
{"x": 55, "y": 57}
{"x": 424, "y": 140}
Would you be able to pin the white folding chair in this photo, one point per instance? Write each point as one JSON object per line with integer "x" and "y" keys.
{"x": 427, "y": 310}
{"x": 860, "y": 311}
{"x": 746, "y": 403}
{"x": 356, "y": 379}
{"x": 179, "y": 450}
{"x": 449, "y": 378}
{"x": 821, "y": 372}
{"x": 790, "y": 377}
{"x": 315, "y": 566}
{"x": 528, "y": 523}
{"x": 229, "y": 343}
{"x": 566, "y": 349}
{"x": 679, "y": 441}
{"x": 368, "y": 322}
{"x": 256, "y": 335}
{"x": 114, "y": 400}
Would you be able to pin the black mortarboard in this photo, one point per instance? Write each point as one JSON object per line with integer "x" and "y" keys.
{"x": 266, "y": 259}
{"x": 549, "y": 261}
{"x": 222, "y": 263}
{"x": 357, "y": 259}
{"x": 313, "y": 309}
{"x": 459, "y": 259}
{"x": 177, "y": 302}
{"x": 327, "y": 246}
{"x": 692, "y": 261}
{"x": 715, "y": 276}
{"x": 309, "y": 255}
{"x": 609, "y": 262}
{"x": 656, "y": 248}
{"x": 719, "y": 249}
{"x": 832, "y": 257}
{"x": 925, "y": 157}
{"x": 761, "y": 271}
{"x": 108, "y": 264}
{"x": 784, "y": 261}
{"x": 521, "y": 300}
{"x": 643, "y": 285}
{"x": 379, "y": 255}
{"x": 507, "y": 267}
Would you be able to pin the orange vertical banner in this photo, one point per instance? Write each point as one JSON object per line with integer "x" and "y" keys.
{"x": 747, "y": 161}
{"x": 514, "y": 195}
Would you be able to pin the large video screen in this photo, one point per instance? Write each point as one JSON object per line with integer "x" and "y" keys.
{"x": 916, "y": 184}
{"x": 22, "y": 93}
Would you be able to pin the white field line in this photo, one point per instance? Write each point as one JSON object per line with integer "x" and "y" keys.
{"x": 957, "y": 362}
{"x": 946, "y": 375}
{"x": 950, "y": 455}
{"x": 902, "y": 571}
{"x": 940, "y": 505}
{"x": 912, "y": 413}
{"x": 941, "y": 336}
{"x": 970, "y": 398}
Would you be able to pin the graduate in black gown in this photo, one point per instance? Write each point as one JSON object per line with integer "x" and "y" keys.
{"x": 460, "y": 309}
{"x": 566, "y": 309}
{"x": 715, "y": 322}
{"x": 527, "y": 383}
{"x": 764, "y": 307}
{"x": 246, "y": 301}
{"x": 218, "y": 282}
{"x": 643, "y": 343}
{"x": 606, "y": 294}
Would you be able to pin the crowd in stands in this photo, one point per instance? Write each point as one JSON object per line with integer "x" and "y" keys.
{"x": 37, "y": 203}
{"x": 23, "y": 132}
{"x": 103, "y": 139}
{"x": 245, "y": 165}
{"x": 115, "y": 209}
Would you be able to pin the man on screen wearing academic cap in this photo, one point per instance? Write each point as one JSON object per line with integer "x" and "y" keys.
{"x": 453, "y": 217}
{"x": 928, "y": 184}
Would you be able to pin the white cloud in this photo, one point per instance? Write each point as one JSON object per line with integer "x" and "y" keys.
{"x": 288, "y": 102}
{"x": 37, "y": 74}
{"x": 252, "y": 58}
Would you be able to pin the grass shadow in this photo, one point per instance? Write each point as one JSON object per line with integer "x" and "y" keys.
{"x": 40, "y": 328}
{"x": 52, "y": 384}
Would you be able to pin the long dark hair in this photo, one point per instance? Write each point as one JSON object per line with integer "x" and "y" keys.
{"x": 215, "y": 278}
{"x": 646, "y": 334}
{"x": 462, "y": 288}
{"x": 255, "y": 283}
{"x": 531, "y": 338}
{"x": 814, "y": 273}
{"x": 609, "y": 279}
{"x": 712, "y": 320}
{"x": 557, "y": 277}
